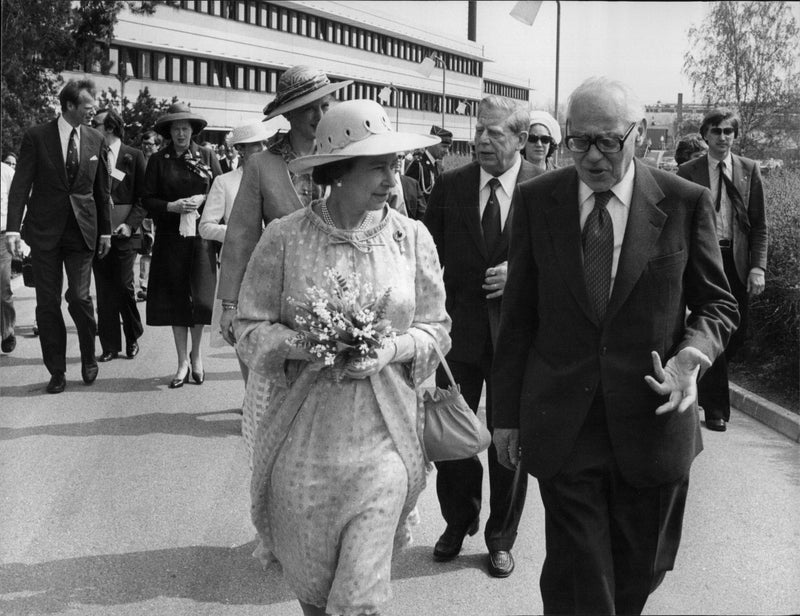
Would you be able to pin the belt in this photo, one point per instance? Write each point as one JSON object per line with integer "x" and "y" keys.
{"x": 725, "y": 243}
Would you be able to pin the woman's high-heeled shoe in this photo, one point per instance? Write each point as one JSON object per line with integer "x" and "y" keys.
{"x": 178, "y": 382}
{"x": 198, "y": 377}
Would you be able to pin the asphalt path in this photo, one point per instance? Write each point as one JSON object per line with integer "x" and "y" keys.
{"x": 126, "y": 497}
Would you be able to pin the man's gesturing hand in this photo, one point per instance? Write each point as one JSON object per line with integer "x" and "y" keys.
{"x": 677, "y": 379}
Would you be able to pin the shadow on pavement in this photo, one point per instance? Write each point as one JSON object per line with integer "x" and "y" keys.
{"x": 199, "y": 573}
{"x": 417, "y": 561}
{"x": 186, "y": 424}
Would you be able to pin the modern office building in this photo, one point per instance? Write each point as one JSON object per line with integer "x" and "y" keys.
{"x": 225, "y": 57}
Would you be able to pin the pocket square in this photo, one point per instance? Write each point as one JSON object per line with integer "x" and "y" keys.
{"x": 93, "y": 157}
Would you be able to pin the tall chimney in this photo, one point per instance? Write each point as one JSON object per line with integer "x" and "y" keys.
{"x": 472, "y": 20}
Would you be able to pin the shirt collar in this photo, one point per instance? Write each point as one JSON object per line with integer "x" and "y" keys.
{"x": 65, "y": 128}
{"x": 508, "y": 179}
{"x": 115, "y": 147}
{"x": 713, "y": 163}
{"x": 623, "y": 190}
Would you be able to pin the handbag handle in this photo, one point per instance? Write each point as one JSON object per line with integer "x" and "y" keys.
{"x": 444, "y": 362}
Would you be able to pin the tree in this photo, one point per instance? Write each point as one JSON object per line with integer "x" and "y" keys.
{"x": 745, "y": 55}
{"x": 137, "y": 116}
{"x": 42, "y": 38}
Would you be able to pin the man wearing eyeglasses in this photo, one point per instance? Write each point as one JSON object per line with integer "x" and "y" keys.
{"x": 741, "y": 225}
{"x": 605, "y": 258}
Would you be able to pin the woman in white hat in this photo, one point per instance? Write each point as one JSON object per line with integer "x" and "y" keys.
{"x": 338, "y": 465}
{"x": 245, "y": 141}
{"x": 544, "y": 136}
{"x": 182, "y": 277}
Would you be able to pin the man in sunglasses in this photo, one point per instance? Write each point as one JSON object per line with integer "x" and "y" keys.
{"x": 741, "y": 224}
{"x": 605, "y": 257}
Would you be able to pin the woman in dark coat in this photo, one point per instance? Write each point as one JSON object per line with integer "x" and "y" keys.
{"x": 180, "y": 289}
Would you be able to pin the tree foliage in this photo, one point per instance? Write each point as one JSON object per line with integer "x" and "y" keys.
{"x": 137, "y": 116}
{"x": 42, "y": 38}
{"x": 745, "y": 55}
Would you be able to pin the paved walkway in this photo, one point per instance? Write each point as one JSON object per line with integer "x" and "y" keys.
{"x": 128, "y": 498}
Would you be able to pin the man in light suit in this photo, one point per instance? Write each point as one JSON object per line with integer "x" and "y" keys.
{"x": 605, "y": 258}
{"x": 741, "y": 225}
{"x": 113, "y": 275}
{"x": 469, "y": 215}
{"x": 63, "y": 180}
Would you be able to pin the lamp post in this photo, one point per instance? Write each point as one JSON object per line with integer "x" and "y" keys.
{"x": 426, "y": 68}
{"x": 385, "y": 95}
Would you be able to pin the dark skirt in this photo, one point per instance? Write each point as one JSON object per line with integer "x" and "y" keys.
{"x": 183, "y": 276}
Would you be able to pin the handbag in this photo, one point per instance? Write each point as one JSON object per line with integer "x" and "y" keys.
{"x": 28, "y": 279}
{"x": 452, "y": 431}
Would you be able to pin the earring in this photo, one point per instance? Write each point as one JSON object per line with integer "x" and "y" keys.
{"x": 338, "y": 183}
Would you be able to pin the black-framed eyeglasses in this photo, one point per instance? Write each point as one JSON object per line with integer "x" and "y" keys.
{"x": 717, "y": 131}
{"x": 604, "y": 143}
{"x": 543, "y": 139}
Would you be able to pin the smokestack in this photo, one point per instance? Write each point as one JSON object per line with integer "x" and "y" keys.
{"x": 679, "y": 118}
{"x": 472, "y": 20}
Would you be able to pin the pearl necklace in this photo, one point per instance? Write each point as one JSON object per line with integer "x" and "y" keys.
{"x": 326, "y": 216}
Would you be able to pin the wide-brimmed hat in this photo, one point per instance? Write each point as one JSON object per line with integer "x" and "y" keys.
{"x": 299, "y": 86}
{"x": 179, "y": 111}
{"x": 545, "y": 119}
{"x": 249, "y": 133}
{"x": 358, "y": 128}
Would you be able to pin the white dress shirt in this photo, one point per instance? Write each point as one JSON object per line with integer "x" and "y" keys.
{"x": 508, "y": 182}
{"x": 723, "y": 218}
{"x": 618, "y": 207}
{"x": 64, "y": 132}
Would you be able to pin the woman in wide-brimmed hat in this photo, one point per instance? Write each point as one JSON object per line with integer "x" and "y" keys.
{"x": 544, "y": 136}
{"x": 182, "y": 278}
{"x": 338, "y": 464}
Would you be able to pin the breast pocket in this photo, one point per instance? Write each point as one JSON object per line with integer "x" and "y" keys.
{"x": 664, "y": 262}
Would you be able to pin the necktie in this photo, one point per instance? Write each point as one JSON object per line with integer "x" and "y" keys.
{"x": 72, "y": 158}
{"x": 721, "y": 169}
{"x": 490, "y": 221}
{"x": 734, "y": 198}
{"x": 598, "y": 253}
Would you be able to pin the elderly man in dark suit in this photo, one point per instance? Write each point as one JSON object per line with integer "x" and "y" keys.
{"x": 113, "y": 275}
{"x": 468, "y": 215}
{"x": 741, "y": 224}
{"x": 63, "y": 180}
{"x": 606, "y": 256}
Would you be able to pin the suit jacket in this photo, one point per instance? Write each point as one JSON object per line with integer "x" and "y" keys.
{"x": 412, "y": 195}
{"x": 425, "y": 171}
{"x": 553, "y": 357}
{"x": 131, "y": 162}
{"x": 266, "y": 193}
{"x": 453, "y": 218}
{"x": 749, "y": 246}
{"x": 225, "y": 165}
{"x": 40, "y": 185}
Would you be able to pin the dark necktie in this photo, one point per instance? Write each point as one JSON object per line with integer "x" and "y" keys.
{"x": 721, "y": 170}
{"x": 490, "y": 221}
{"x": 598, "y": 253}
{"x": 735, "y": 199}
{"x": 72, "y": 158}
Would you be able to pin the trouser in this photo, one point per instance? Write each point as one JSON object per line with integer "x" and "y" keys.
{"x": 459, "y": 482}
{"x": 8, "y": 316}
{"x": 609, "y": 544}
{"x": 712, "y": 390}
{"x": 73, "y": 256}
{"x": 113, "y": 277}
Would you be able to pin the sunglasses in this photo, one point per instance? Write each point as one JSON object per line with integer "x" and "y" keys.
{"x": 717, "y": 131}
{"x": 543, "y": 139}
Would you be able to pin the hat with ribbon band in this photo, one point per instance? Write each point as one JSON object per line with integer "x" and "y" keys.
{"x": 299, "y": 86}
{"x": 176, "y": 112}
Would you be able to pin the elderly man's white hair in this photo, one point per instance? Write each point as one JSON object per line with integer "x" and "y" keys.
{"x": 629, "y": 105}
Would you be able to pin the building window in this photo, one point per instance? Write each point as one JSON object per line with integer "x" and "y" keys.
{"x": 145, "y": 70}
{"x": 202, "y": 73}
{"x": 160, "y": 67}
{"x": 188, "y": 71}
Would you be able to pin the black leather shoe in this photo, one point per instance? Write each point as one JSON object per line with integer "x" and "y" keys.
{"x": 501, "y": 563}
{"x": 89, "y": 372}
{"x": 57, "y": 384}
{"x": 9, "y": 344}
{"x": 717, "y": 425}
{"x": 108, "y": 356}
{"x": 199, "y": 377}
{"x": 449, "y": 544}
{"x": 179, "y": 381}
{"x": 132, "y": 350}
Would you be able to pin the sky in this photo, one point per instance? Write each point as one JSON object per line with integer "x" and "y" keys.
{"x": 640, "y": 43}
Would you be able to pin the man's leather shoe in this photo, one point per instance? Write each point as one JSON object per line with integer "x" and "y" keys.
{"x": 501, "y": 563}
{"x": 718, "y": 425}
{"x": 9, "y": 344}
{"x": 108, "y": 356}
{"x": 449, "y": 544}
{"x": 89, "y": 372}
{"x": 132, "y": 350}
{"x": 57, "y": 383}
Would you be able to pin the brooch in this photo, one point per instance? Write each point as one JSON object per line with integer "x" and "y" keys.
{"x": 398, "y": 236}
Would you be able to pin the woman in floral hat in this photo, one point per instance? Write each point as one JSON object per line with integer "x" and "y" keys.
{"x": 338, "y": 463}
{"x": 182, "y": 278}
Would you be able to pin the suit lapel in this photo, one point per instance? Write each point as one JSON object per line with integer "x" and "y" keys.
{"x": 562, "y": 216}
{"x": 699, "y": 171}
{"x": 53, "y": 145}
{"x": 526, "y": 172}
{"x": 741, "y": 179}
{"x": 645, "y": 222}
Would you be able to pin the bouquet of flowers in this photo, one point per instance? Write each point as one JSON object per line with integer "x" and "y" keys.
{"x": 342, "y": 320}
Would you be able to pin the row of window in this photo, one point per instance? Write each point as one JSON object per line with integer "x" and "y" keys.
{"x": 148, "y": 65}
{"x": 502, "y": 89}
{"x": 274, "y": 17}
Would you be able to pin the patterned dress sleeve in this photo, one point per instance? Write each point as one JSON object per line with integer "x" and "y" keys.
{"x": 261, "y": 337}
